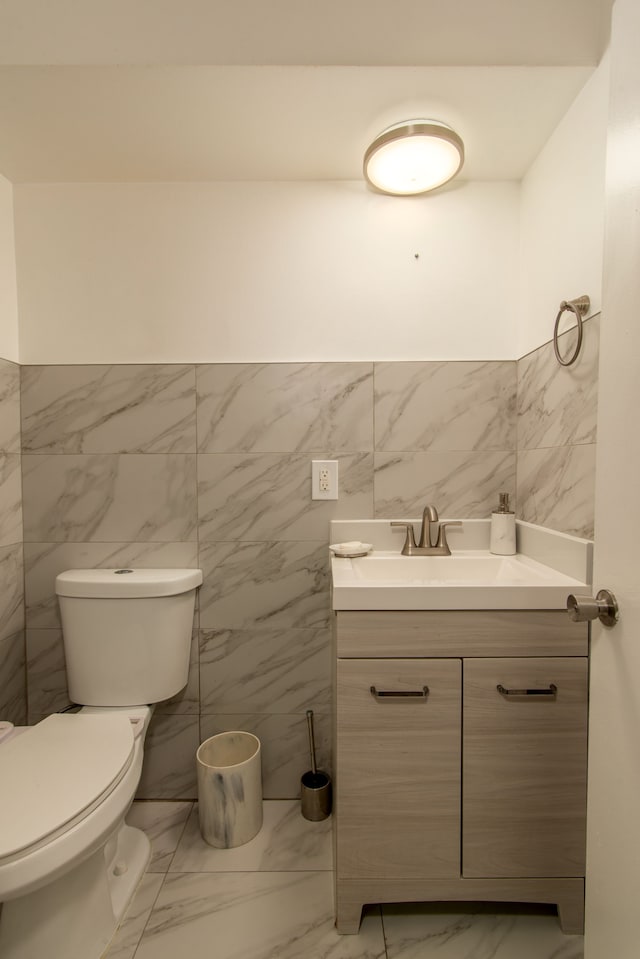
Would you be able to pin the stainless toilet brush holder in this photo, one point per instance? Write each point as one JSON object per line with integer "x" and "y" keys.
{"x": 315, "y": 785}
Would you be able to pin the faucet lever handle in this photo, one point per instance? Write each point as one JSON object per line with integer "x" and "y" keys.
{"x": 442, "y": 534}
{"x": 410, "y": 540}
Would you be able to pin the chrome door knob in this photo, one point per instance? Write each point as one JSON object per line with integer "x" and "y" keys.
{"x": 582, "y": 609}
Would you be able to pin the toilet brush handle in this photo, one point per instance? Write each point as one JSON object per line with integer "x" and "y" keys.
{"x": 312, "y": 744}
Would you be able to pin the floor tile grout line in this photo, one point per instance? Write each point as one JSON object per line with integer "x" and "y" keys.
{"x": 237, "y": 872}
{"x": 144, "y": 928}
{"x": 384, "y": 935}
{"x": 163, "y": 873}
{"x": 240, "y": 872}
{"x": 182, "y": 832}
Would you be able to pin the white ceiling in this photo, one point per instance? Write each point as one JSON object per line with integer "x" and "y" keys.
{"x": 280, "y": 89}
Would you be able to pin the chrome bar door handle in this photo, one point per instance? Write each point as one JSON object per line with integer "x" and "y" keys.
{"x": 582, "y": 609}
{"x": 399, "y": 693}
{"x": 551, "y": 690}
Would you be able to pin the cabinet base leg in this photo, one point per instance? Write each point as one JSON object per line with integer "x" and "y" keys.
{"x": 348, "y": 916}
{"x": 571, "y": 913}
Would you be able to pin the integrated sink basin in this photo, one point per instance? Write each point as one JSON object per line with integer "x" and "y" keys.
{"x": 474, "y": 579}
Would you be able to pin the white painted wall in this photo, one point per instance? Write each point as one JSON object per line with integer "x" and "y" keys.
{"x": 8, "y": 291}
{"x": 248, "y": 271}
{"x": 562, "y": 216}
{"x": 244, "y": 272}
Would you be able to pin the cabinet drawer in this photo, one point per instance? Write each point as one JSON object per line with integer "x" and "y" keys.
{"x": 460, "y": 633}
{"x": 524, "y": 767}
{"x": 398, "y": 769}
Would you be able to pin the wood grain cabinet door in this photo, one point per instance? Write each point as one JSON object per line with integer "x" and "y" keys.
{"x": 398, "y": 768}
{"x": 524, "y": 767}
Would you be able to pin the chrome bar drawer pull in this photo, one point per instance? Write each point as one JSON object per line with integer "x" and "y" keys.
{"x": 551, "y": 691}
{"x": 400, "y": 693}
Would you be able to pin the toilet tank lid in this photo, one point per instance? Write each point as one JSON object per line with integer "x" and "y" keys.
{"x": 126, "y": 582}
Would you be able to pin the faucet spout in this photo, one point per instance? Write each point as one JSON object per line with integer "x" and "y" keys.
{"x": 429, "y": 515}
{"x": 426, "y": 546}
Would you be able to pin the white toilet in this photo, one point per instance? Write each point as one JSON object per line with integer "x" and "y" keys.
{"x": 68, "y": 862}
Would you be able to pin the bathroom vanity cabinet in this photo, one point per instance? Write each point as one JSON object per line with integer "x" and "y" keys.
{"x": 461, "y": 755}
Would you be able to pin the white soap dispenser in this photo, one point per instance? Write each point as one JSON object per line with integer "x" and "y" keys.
{"x": 503, "y": 528}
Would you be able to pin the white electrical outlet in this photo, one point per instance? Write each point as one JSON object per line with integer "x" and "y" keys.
{"x": 324, "y": 479}
{"x": 324, "y": 484}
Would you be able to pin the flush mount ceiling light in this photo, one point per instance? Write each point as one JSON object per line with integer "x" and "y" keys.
{"x": 414, "y": 156}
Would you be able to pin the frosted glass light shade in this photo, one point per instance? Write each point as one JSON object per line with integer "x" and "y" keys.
{"x": 413, "y": 157}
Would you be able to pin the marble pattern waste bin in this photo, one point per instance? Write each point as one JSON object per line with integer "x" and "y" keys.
{"x": 229, "y": 789}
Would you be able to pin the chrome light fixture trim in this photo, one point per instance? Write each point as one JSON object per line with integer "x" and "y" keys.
{"x": 435, "y": 154}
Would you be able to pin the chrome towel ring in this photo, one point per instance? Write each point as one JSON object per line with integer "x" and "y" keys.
{"x": 580, "y": 307}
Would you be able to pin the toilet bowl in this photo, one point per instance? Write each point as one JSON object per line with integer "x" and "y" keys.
{"x": 69, "y": 864}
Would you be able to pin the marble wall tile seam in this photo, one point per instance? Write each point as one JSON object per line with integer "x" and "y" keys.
{"x": 309, "y": 454}
{"x": 380, "y": 364}
{"x": 268, "y": 540}
{"x": 556, "y": 446}
{"x": 68, "y": 454}
{"x": 99, "y": 366}
{"x": 437, "y": 451}
{"x": 258, "y": 365}
{"x": 5, "y": 448}
{"x": 105, "y": 542}
{"x": 298, "y": 713}
{"x": 315, "y": 617}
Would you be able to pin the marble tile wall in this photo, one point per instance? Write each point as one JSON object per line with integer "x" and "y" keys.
{"x": 210, "y": 465}
{"x": 13, "y": 705}
{"x": 557, "y": 409}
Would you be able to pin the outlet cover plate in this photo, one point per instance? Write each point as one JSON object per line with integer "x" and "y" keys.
{"x": 324, "y": 479}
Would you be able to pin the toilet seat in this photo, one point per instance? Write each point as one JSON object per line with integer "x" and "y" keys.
{"x": 59, "y": 771}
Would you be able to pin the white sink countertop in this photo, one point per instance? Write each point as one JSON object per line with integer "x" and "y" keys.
{"x": 468, "y": 579}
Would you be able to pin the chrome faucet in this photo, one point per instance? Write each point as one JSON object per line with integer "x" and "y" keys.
{"x": 425, "y": 545}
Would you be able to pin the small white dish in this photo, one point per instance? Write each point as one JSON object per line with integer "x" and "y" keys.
{"x": 350, "y": 550}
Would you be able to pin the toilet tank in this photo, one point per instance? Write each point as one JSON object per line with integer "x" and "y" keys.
{"x": 126, "y": 633}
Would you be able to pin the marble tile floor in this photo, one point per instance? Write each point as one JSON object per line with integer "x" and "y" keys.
{"x": 273, "y": 899}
